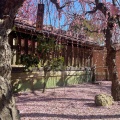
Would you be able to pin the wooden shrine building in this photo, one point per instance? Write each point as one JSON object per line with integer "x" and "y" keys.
{"x": 76, "y": 51}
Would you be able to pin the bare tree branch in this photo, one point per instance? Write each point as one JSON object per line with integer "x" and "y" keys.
{"x": 99, "y": 6}
{"x": 118, "y": 2}
{"x": 96, "y": 2}
{"x": 92, "y": 11}
{"x": 113, "y": 1}
{"x": 58, "y": 5}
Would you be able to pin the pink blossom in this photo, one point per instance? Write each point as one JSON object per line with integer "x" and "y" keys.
{"x": 114, "y": 10}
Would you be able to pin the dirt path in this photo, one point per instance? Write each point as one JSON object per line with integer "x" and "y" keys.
{"x": 69, "y": 103}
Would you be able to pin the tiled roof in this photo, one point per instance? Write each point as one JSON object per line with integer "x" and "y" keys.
{"x": 69, "y": 35}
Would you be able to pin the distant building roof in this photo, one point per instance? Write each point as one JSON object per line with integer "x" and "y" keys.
{"x": 22, "y": 25}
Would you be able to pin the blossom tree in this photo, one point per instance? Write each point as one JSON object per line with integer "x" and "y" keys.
{"x": 104, "y": 14}
{"x": 108, "y": 15}
{"x": 28, "y": 12}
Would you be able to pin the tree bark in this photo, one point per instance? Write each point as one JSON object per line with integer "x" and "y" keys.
{"x": 8, "y": 9}
{"x": 111, "y": 63}
{"x": 8, "y": 110}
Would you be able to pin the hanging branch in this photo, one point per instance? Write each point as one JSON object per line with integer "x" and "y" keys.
{"x": 118, "y": 2}
{"x": 99, "y": 6}
{"x": 57, "y": 4}
{"x": 113, "y": 1}
{"x": 117, "y": 16}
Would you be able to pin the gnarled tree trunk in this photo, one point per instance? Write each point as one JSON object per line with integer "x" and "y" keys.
{"x": 111, "y": 63}
{"x": 8, "y": 110}
{"x": 8, "y": 9}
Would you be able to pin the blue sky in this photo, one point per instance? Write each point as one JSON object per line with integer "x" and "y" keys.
{"x": 51, "y": 14}
{"x": 51, "y": 17}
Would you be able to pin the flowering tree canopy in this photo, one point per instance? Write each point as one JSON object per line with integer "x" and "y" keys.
{"x": 61, "y": 13}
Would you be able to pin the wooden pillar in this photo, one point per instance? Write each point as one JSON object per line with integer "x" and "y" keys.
{"x": 33, "y": 46}
{"x": 91, "y": 56}
{"x": 81, "y": 57}
{"x": 83, "y": 60}
{"x": 75, "y": 55}
{"x": 66, "y": 54}
{"x": 19, "y": 45}
{"x": 58, "y": 49}
{"x": 26, "y": 46}
{"x": 18, "y": 50}
{"x": 63, "y": 50}
{"x": 72, "y": 54}
{"x": 77, "y": 61}
{"x": 85, "y": 57}
{"x": 11, "y": 40}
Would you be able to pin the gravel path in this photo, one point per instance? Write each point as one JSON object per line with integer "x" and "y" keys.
{"x": 69, "y": 103}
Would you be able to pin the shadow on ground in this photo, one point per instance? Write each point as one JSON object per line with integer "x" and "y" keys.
{"x": 71, "y": 116}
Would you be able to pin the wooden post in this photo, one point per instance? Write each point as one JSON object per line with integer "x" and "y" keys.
{"x": 18, "y": 50}
{"x": 33, "y": 46}
{"x": 77, "y": 61}
{"x": 26, "y": 46}
{"x": 40, "y": 15}
{"x": 11, "y": 40}
{"x": 72, "y": 54}
{"x": 81, "y": 57}
{"x": 66, "y": 54}
{"x": 75, "y": 56}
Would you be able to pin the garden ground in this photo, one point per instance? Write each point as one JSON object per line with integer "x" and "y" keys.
{"x": 67, "y": 103}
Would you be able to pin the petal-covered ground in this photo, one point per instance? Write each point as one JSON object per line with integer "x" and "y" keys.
{"x": 67, "y": 103}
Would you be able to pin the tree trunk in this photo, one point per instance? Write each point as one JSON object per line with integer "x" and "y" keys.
{"x": 8, "y": 9}
{"x": 111, "y": 63}
{"x": 8, "y": 110}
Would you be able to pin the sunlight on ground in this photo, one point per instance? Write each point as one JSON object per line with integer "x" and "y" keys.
{"x": 69, "y": 103}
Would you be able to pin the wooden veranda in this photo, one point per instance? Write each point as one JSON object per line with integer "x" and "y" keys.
{"x": 76, "y": 51}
